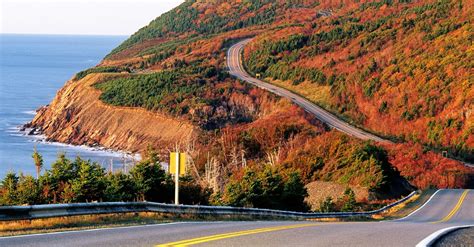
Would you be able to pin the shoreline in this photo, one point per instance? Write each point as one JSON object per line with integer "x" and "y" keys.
{"x": 36, "y": 135}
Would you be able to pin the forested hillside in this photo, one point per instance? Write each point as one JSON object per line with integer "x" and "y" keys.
{"x": 399, "y": 68}
{"x": 402, "y": 69}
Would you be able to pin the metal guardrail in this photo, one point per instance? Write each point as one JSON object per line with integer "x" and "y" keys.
{"x": 8, "y": 213}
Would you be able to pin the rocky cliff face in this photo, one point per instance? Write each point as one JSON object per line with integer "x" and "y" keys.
{"x": 77, "y": 116}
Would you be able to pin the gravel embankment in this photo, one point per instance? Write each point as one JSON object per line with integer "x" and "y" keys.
{"x": 461, "y": 237}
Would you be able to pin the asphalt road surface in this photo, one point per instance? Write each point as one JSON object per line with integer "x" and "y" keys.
{"x": 236, "y": 69}
{"x": 446, "y": 208}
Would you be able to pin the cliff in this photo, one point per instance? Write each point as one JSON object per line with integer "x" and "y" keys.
{"x": 78, "y": 116}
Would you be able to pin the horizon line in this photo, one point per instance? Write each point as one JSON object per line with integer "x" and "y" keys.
{"x": 65, "y": 34}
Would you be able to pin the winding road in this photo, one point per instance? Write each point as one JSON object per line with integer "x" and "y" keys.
{"x": 234, "y": 63}
{"x": 446, "y": 208}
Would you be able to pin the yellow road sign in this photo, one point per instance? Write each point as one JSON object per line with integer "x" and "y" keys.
{"x": 182, "y": 163}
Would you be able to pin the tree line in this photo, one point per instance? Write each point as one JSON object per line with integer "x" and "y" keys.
{"x": 79, "y": 180}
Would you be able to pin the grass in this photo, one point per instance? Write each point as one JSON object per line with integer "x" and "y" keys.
{"x": 85, "y": 222}
{"x": 314, "y": 93}
{"x": 71, "y": 223}
{"x": 399, "y": 211}
{"x": 406, "y": 207}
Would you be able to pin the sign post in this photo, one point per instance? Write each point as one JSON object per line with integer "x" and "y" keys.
{"x": 177, "y": 167}
{"x": 176, "y": 183}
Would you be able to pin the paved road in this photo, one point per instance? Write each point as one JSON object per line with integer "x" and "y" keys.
{"x": 446, "y": 208}
{"x": 234, "y": 64}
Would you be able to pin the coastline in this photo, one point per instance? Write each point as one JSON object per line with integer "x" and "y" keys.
{"x": 36, "y": 135}
{"x": 35, "y": 68}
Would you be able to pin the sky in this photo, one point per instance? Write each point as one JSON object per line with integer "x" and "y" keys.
{"x": 92, "y": 17}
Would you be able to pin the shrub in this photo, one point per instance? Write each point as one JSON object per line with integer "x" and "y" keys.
{"x": 151, "y": 182}
{"x": 327, "y": 205}
{"x": 269, "y": 188}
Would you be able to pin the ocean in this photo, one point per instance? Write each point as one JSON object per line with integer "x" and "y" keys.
{"x": 32, "y": 69}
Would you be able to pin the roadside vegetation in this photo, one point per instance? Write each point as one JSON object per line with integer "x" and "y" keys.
{"x": 79, "y": 180}
{"x": 254, "y": 149}
{"x": 407, "y": 207}
{"x": 344, "y": 203}
{"x": 72, "y": 223}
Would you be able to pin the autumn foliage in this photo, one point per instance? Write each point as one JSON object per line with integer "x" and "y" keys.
{"x": 425, "y": 169}
{"x": 402, "y": 69}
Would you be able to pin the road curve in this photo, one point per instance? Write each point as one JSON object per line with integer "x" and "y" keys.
{"x": 234, "y": 63}
{"x": 405, "y": 232}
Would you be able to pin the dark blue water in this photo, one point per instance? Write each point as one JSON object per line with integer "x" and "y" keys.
{"x": 32, "y": 69}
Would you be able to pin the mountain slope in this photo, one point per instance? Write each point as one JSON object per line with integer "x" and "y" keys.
{"x": 174, "y": 71}
{"x": 402, "y": 70}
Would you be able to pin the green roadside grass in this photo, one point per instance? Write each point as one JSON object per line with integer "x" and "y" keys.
{"x": 407, "y": 207}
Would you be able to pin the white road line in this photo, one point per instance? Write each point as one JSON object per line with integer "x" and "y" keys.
{"x": 107, "y": 228}
{"x": 422, "y": 206}
{"x": 431, "y": 239}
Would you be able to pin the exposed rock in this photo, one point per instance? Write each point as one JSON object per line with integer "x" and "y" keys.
{"x": 77, "y": 116}
{"x": 319, "y": 190}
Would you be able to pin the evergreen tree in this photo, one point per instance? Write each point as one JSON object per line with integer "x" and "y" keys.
{"x": 244, "y": 193}
{"x": 349, "y": 200}
{"x": 327, "y": 205}
{"x": 267, "y": 189}
{"x": 151, "y": 181}
{"x": 89, "y": 185}
{"x": 120, "y": 188}
{"x": 38, "y": 159}
{"x": 53, "y": 181}
{"x": 27, "y": 190}
{"x": 294, "y": 193}
{"x": 8, "y": 189}
{"x": 191, "y": 193}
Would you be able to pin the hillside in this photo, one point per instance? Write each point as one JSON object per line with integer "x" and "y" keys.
{"x": 167, "y": 86}
{"x": 401, "y": 70}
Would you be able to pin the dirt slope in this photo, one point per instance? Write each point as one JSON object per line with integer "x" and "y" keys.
{"x": 77, "y": 116}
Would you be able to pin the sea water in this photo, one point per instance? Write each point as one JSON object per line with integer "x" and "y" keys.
{"x": 32, "y": 69}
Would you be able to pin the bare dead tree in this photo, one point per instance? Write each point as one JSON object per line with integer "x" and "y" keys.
{"x": 190, "y": 150}
{"x": 273, "y": 157}
{"x": 213, "y": 174}
{"x": 243, "y": 159}
{"x": 111, "y": 166}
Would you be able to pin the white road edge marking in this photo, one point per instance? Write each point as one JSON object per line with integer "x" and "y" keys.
{"x": 431, "y": 239}
{"x": 103, "y": 229}
{"x": 422, "y": 206}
